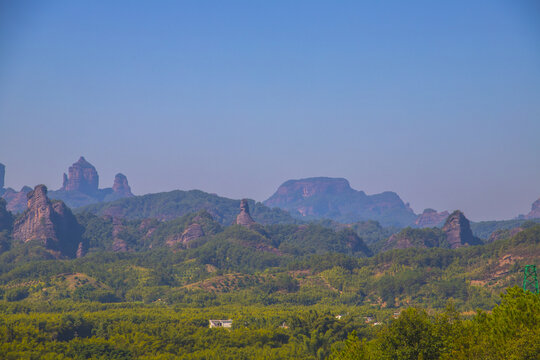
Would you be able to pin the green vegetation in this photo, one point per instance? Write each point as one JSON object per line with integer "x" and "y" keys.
{"x": 510, "y": 331}
{"x": 174, "y": 204}
{"x": 293, "y": 291}
{"x": 428, "y": 238}
{"x": 484, "y": 229}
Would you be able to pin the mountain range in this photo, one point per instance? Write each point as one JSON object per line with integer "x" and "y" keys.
{"x": 299, "y": 200}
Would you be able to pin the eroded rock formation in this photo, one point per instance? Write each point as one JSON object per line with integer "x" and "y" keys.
{"x": 244, "y": 218}
{"x": 119, "y": 244}
{"x": 193, "y": 232}
{"x": 80, "y": 186}
{"x": 82, "y": 176}
{"x": 333, "y": 198}
{"x": 431, "y": 218}
{"x": 52, "y": 224}
{"x": 458, "y": 231}
{"x": 16, "y": 200}
{"x": 535, "y": 211}
{"x": 121, "y": 186}
{"x": 81, "y": 251}
{"x": 2, "y": 176}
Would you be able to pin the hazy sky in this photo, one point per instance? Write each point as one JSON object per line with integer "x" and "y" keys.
{"x": 438, "y": 101}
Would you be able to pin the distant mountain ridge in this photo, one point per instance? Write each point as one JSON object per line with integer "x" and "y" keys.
{"x": 333, "y": 198}
{"x": 431, "y": 218}
{"x": 177, "y": 203}
{"x": 79, "y": 188}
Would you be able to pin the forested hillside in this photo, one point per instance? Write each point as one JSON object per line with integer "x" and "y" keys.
{"x": 143, "y": 287}
{"x": 173, "y": 204}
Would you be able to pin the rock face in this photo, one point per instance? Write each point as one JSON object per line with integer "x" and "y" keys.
{"x": 82, "y": 177}
{"x": 121, "y": 186}
{"x": 51, "y": 224}
{"x": 431, "y": 218}
{"x": 455, "y": 233}
{"x": 333, "y": 198}
{"x": 81, "y": 251}
{"x": 119, "y": 244}
{"x": 535, "y": 211}
{"x": 193, "y": 232}
{"x": 458, "y": 231}
{"x": 2, "y": 177}
{"x": 244, "y": 218}
{"x": 16, "y": 200}
{"x": 80, "y": 187}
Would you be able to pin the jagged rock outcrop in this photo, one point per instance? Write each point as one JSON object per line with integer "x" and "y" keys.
{"x": 6, "y": 219}
{"x": 121, "y": 186}
{"x": 81, "y": 250}
{"x": 455, "y": 233}
{"x": 193, "y": 232}
{"x": 431, "y": 218}
{"x": 2, "y": 177}
{"x": 244, "y": 218}
{"x": 52, "y": 224}
{"x": 82, "y": 176}
{"x": 16, "y": 200}
{"x": 458, "y": 231}
{"x": 80, "y": 187}
{"x": 535, "y": 211}
{"x": 119, "y": 244}
{"x": 333, "y": 198}
{"x": 119, "y": 190}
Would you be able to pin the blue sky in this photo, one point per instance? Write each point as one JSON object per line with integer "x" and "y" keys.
{"x": 438, "y": 101}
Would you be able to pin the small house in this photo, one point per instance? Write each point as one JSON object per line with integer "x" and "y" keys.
{"x": 220, "y": 323}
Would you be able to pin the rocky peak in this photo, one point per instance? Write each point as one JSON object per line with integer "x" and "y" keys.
{"x": 244, "y": 218}
{"x": 306, "y": 188}
{"x": 431, "y": 218}
{"x": 37, "y": 198}
{"x": 535, "y": 210}
{"x": 333, "y": 198}
{"x": 458, "y": 231}
{"x": 51, "y": 224}
{"x": 82, "y": 176}
{"x": 121, "y": 186}
{"x": 2, "y": 175}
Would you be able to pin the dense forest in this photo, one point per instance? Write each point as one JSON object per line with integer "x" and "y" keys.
{"x": 304, "y": 291}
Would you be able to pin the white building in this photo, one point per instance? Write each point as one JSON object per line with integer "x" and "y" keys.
{"x": 220, "y": 323}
